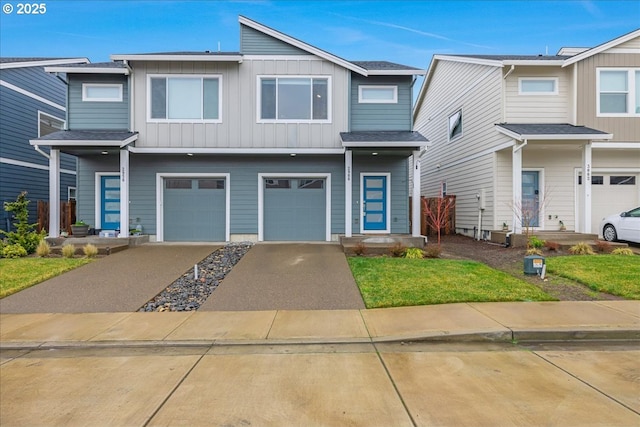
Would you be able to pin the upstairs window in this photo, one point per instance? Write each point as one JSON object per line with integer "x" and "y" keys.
{"x": 101, "y": 92}
{"x": 538, "y": 86}
{"x": 378, "y": 94}
{"x": 293, "y": 99}
{"x": 48, "y": 124}
{"x": 184, "y": 98}
{"x": 618, "y": 92}
{"x": 455, "y": 125}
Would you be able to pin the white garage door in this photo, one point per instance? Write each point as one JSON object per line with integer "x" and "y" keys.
{"x": 611, "y": 193}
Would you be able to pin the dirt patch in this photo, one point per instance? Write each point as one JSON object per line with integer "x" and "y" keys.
{"x": 511, "y": 261}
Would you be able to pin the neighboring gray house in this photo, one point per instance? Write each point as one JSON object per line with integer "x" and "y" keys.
{"x": 517, "y": 133}
{"x": 279, "y": 141}
{"x": 32, "y": 104}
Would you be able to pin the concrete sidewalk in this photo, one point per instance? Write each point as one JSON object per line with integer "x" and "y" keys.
{"x": 488, "y": 322}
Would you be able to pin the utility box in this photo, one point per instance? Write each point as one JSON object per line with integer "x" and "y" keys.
{"x": 533, "y": 264}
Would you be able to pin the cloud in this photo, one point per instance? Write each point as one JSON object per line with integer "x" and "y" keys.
{"x": 591, "y": 8}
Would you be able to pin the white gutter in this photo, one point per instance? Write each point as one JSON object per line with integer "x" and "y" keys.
{"x": 517, "y": 148}
{"x": 513, "y": 67}
{"x": 39, "y": 150}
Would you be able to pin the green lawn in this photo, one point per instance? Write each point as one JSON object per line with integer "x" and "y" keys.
{"x": 613, "y": 274}
{"x": 18, "y": 274}
{"x": 394, "y": 282}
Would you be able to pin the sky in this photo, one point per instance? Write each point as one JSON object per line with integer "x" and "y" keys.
{"x": 406, "y": 32}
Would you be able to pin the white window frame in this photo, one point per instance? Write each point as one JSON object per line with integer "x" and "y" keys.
{"x": 40, "y": 116}
{"x": 259, "y": 79}
{"x": 449, "y": 137}
{"x": 75, "y": 192}
{"x": 86, "y": 98}
{"x": 555, "y": 81}
{"x": 362, "y": 88}
{"x": 633, "y": 109}
{"x": 185, "y": 76}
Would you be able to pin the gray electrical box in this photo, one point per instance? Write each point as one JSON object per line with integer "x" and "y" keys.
{"x": 533, "y": 264}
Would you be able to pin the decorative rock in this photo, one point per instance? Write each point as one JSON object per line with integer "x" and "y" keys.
{"x": 186, "y": 293}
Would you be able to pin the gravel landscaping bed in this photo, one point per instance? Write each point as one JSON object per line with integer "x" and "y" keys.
{"x": 187, "y": 293}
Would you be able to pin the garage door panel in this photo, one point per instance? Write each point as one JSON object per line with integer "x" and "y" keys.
{"x": 295, "y": 210}
{"x": 194, "y": 214}
{"x": 611, "y": 193}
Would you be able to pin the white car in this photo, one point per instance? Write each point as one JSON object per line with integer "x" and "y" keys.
{"x": 623, "y": 226}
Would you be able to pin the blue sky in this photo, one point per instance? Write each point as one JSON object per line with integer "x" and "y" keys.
{"x": 407, "y": 32}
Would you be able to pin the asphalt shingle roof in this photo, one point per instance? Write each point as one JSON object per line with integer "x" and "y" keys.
{"x": 88, "y": 135}
{"x": 382, "y": 136}
{"x": 550, "y": 129}
{"x": 382, "y": 66}
{"x": 517, "y": 57}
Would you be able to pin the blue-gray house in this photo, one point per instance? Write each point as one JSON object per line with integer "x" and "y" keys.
{"x": 279, "y": 141}
{"x": 32, "y": 105}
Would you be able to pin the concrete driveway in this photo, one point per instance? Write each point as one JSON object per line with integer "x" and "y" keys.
{"x": 288, "y": 276}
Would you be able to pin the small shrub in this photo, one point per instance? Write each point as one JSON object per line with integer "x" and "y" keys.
{"x": 581, "y": 248}
{"x": 68, "y": 251}
{"x": 360, "y": 249}
{"x": 535, "y": 242}
{"x": 534, "y": 251}
{"x": 432, "y": 251}
{"x": 25, "y": 234}
{"x": 43, "y": 249}
{"x": 90, "y": 251}
{"x": 398, "y": 250}
{"x": 14, "y": 251}
{"x": 414, "y": 253}
{"x": 622, "y": 251}
{"x": 603, "y": 247}
{"x": 551, "y": 246}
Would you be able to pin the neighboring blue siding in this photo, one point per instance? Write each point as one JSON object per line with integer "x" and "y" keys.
{"x": 253, "y": 42}
{"x": 19, "y": 124}
{"x": 397, "y": 166}
{"x": 97, "y": 115}
{"x": 381, "y": 116}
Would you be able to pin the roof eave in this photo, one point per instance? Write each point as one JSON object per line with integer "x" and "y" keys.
{"x": 535, "y": 62}
{"x": 44, "y": 63}
{"x": 88, "y": 70}
{"x": 177, "y": 57}
{"x": 84, "y": 142}
{"x": 385, "y": 144}
{"x": 556, "y": 136}
{"x": 415, "y": 72}
{"x": 302, "y": 45}
{"x": 601, "y": 48}
{"x": 469, "y": 60}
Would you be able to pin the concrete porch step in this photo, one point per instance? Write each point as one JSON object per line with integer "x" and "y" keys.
{"x": 105, "y": 245}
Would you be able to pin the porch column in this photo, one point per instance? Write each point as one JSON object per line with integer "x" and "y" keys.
{"x": 54, "y": 193}
{"x": 516, "y": 179}
{"x": 585, "y": 226}
{"x": 124, "y": 193}
{"x": 348, "y": 189}
{"x": 415, "y": 206}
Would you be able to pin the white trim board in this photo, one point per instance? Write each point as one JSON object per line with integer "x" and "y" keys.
{"x": 32, "y": 95}
{"x": 160, "y": 176}
{"x": 388, "y": 201}
{"x": 261, "y": 178}
{"x": 30, "y": 165}
{"x": 97, "y": 202}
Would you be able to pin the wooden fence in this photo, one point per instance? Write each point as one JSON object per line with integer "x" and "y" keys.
{"x": 67, "y": 215}
{"x": 448, "y": 224}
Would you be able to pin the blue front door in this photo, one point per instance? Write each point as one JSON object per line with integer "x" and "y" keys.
{"x": 374, "y": 203}
{"x": 110, "y": 202}
{"x": 530, "y": 199}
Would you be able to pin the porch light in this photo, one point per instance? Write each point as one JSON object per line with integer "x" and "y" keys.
{"x": 374, "y": 154}
{"x": 190, "y": 154}
{"x": 104, "y": 153}
{"x": 292, "y": 154}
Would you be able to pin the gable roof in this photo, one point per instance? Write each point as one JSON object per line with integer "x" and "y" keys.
{"x": 601, "y": 48}
{"x": 6, "y": 62}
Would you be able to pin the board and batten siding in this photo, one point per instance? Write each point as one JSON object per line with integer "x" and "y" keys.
{"x": 624, "y": 129}
{"x": 243, "y": 172}
{"x": 520, "y": 108}
{"x": 253, "y": 42}
{"x": 84, "y": 115}
{"x": 239, "y": 127}
{"x": 371, "y": 116}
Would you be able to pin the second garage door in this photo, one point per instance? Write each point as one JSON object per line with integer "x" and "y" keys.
{"x": 294, "y": 209}
{"x": 611, "y": 193}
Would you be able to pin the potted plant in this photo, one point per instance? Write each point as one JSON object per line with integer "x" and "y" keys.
{"x": 80, "y": 229}
{"x": 505, "y": 227}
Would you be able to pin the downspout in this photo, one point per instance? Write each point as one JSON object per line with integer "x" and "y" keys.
{"x": 39, "y": 150}
{"x": 520, "y": 147}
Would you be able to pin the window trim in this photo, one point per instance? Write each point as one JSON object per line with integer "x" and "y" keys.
{"x": 40, "y": 116}
{"x": 633, "y": 109}
{"x": 259, "y": 79}
{"x": 394, "y": 100}
{"x": 185, "y": 76}
{"x": 86, "y": 98}
{"x": 449, "y": 137}
{"x": 555, "y": 81}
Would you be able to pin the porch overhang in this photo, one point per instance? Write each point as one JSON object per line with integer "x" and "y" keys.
{"x": 551, "y": 131}
{"x": 394, "y": 140}
{"x": 86, "y": 139}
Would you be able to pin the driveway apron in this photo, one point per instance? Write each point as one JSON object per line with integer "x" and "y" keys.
{"x": 288, "y": 276}
{"x": 124, "y": 281}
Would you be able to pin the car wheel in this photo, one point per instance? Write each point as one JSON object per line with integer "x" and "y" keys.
{"x": 609, "y": 233}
